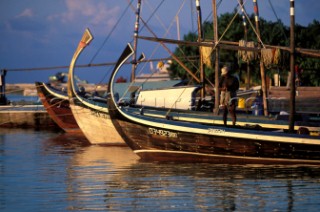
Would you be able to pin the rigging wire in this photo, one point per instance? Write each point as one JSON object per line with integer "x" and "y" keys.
{"x": 108, "y": 36}
{"x": 278, "y": 19}
{"x": 145, "y": 24}
{"x": 192, "y": 63}
{"x": 166, "y": 32}
{"x": 193, "y": 31}
{"x": 253, "y": 28}
{"x": 153, "y": 12}
{"x": 81, "y": 66}
{"x": 77, "y": 66}
{"x": 192, "y": 12}
{"x": 157, "y": 16}
{"x": 229, "y": 25}
{"x": 104, "y": 42}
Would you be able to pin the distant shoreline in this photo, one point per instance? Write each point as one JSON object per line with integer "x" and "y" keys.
{"x": 29, "y": 89}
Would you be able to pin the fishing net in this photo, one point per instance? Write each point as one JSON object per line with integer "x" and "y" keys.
{"x": 206, "y": 55}
{"x": 247, "y": 56}
{"x": 270, "y": 56}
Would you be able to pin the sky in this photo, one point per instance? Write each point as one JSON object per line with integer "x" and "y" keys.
{"x": 45, "y": 33}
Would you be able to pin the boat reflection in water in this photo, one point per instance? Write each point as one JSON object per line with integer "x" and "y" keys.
{"x": 113, "y": 178}
{"x": 214, "y": 187}
{"x": 45, "y": 171}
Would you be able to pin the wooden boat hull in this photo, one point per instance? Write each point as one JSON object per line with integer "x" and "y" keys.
{"x": 96, "y": 125}
{"x": 57, "y": 108}
{"x": 91, "y": 115}
{"x": 170, "y": 140}
{"x": 163, "y": 144}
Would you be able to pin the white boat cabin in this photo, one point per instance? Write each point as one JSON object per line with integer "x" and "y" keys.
{"x": 181, "y": 97}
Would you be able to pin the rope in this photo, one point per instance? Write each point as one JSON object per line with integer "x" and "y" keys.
{"x": 206, "y": 53}
{"x": 145, "y": 25}
{"x": 108, "y": 36}
{"x": 270, "y": 56}
{"x": 12, "y": 91}
{"x": 247, "y": 56}
{"x": 277, "y": 56}
{"x": 253, "y": 28}
{"x": 278, "y": 19}
{"x": 267, "y": 56}
{"x": 211, "y": 49}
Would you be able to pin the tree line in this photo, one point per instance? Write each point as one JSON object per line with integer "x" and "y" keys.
{"x": 272, "y": 33}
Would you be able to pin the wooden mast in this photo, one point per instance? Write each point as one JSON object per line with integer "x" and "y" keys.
{"x": 3, "y": 98}
{"x": 200, "y": 39}
{"x": 217, "y": 68}
{"x": 262, "y": 71}
{"x": 135, "y": 41}
{"x": 244, "y": 23}
{"x": 292, "y": 61}
{"x": 134, "y": 62}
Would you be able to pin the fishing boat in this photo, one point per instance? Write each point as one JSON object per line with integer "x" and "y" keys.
{"x": 158, "y": 136}
{"x": 56, "y": 103}
{"x": 157, "y": 102}
{"x": 159, "y": 139}
{"x": 90, "y": 113}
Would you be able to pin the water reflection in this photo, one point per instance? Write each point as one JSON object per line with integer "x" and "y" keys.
{"x": 43, "y": 171}
{"x": 206, "y": 186}
{"x": 89, "y": 169}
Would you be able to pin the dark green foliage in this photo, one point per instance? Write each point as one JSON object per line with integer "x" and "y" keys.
{"x": 272, "y": 33}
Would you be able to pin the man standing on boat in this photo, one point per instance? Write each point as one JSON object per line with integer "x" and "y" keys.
{"x": 228, "y": 86}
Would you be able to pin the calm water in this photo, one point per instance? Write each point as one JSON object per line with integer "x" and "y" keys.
{"x": 48, "y": 171}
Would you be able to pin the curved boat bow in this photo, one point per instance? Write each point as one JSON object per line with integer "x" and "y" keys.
{"x": 160, "y": 139}
{"x": 92, "y": 116}
{"x": 57, "y": 106}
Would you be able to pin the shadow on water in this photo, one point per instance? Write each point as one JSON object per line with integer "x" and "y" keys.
{"x": 43, "y": 171}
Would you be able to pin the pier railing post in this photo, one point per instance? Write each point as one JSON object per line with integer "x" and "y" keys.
{"x": 3, "y": 98}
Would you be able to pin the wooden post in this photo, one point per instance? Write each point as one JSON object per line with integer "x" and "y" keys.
{"x": 135, "y": 41}
{"x": 246, "y": 39}
{"x": 292, "y": 61}
{"x": 262, "y": 71}
{"x": 200, "y": 38}
{"x": 217, "y": 68}
{"x": 3, "y": 99}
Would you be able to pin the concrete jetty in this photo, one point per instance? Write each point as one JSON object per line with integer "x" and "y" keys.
{"x": 27, "y": 116}
{"x": 20, "y": 115}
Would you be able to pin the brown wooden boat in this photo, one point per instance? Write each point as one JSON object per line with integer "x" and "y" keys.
{"x": 57, "y": 105}
{"x": 159, "y": 139}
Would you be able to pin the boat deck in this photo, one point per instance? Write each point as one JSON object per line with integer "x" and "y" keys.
{"x": 244, "y": 120}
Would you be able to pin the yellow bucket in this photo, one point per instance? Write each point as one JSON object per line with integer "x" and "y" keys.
{"x": 241, "y": 103}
